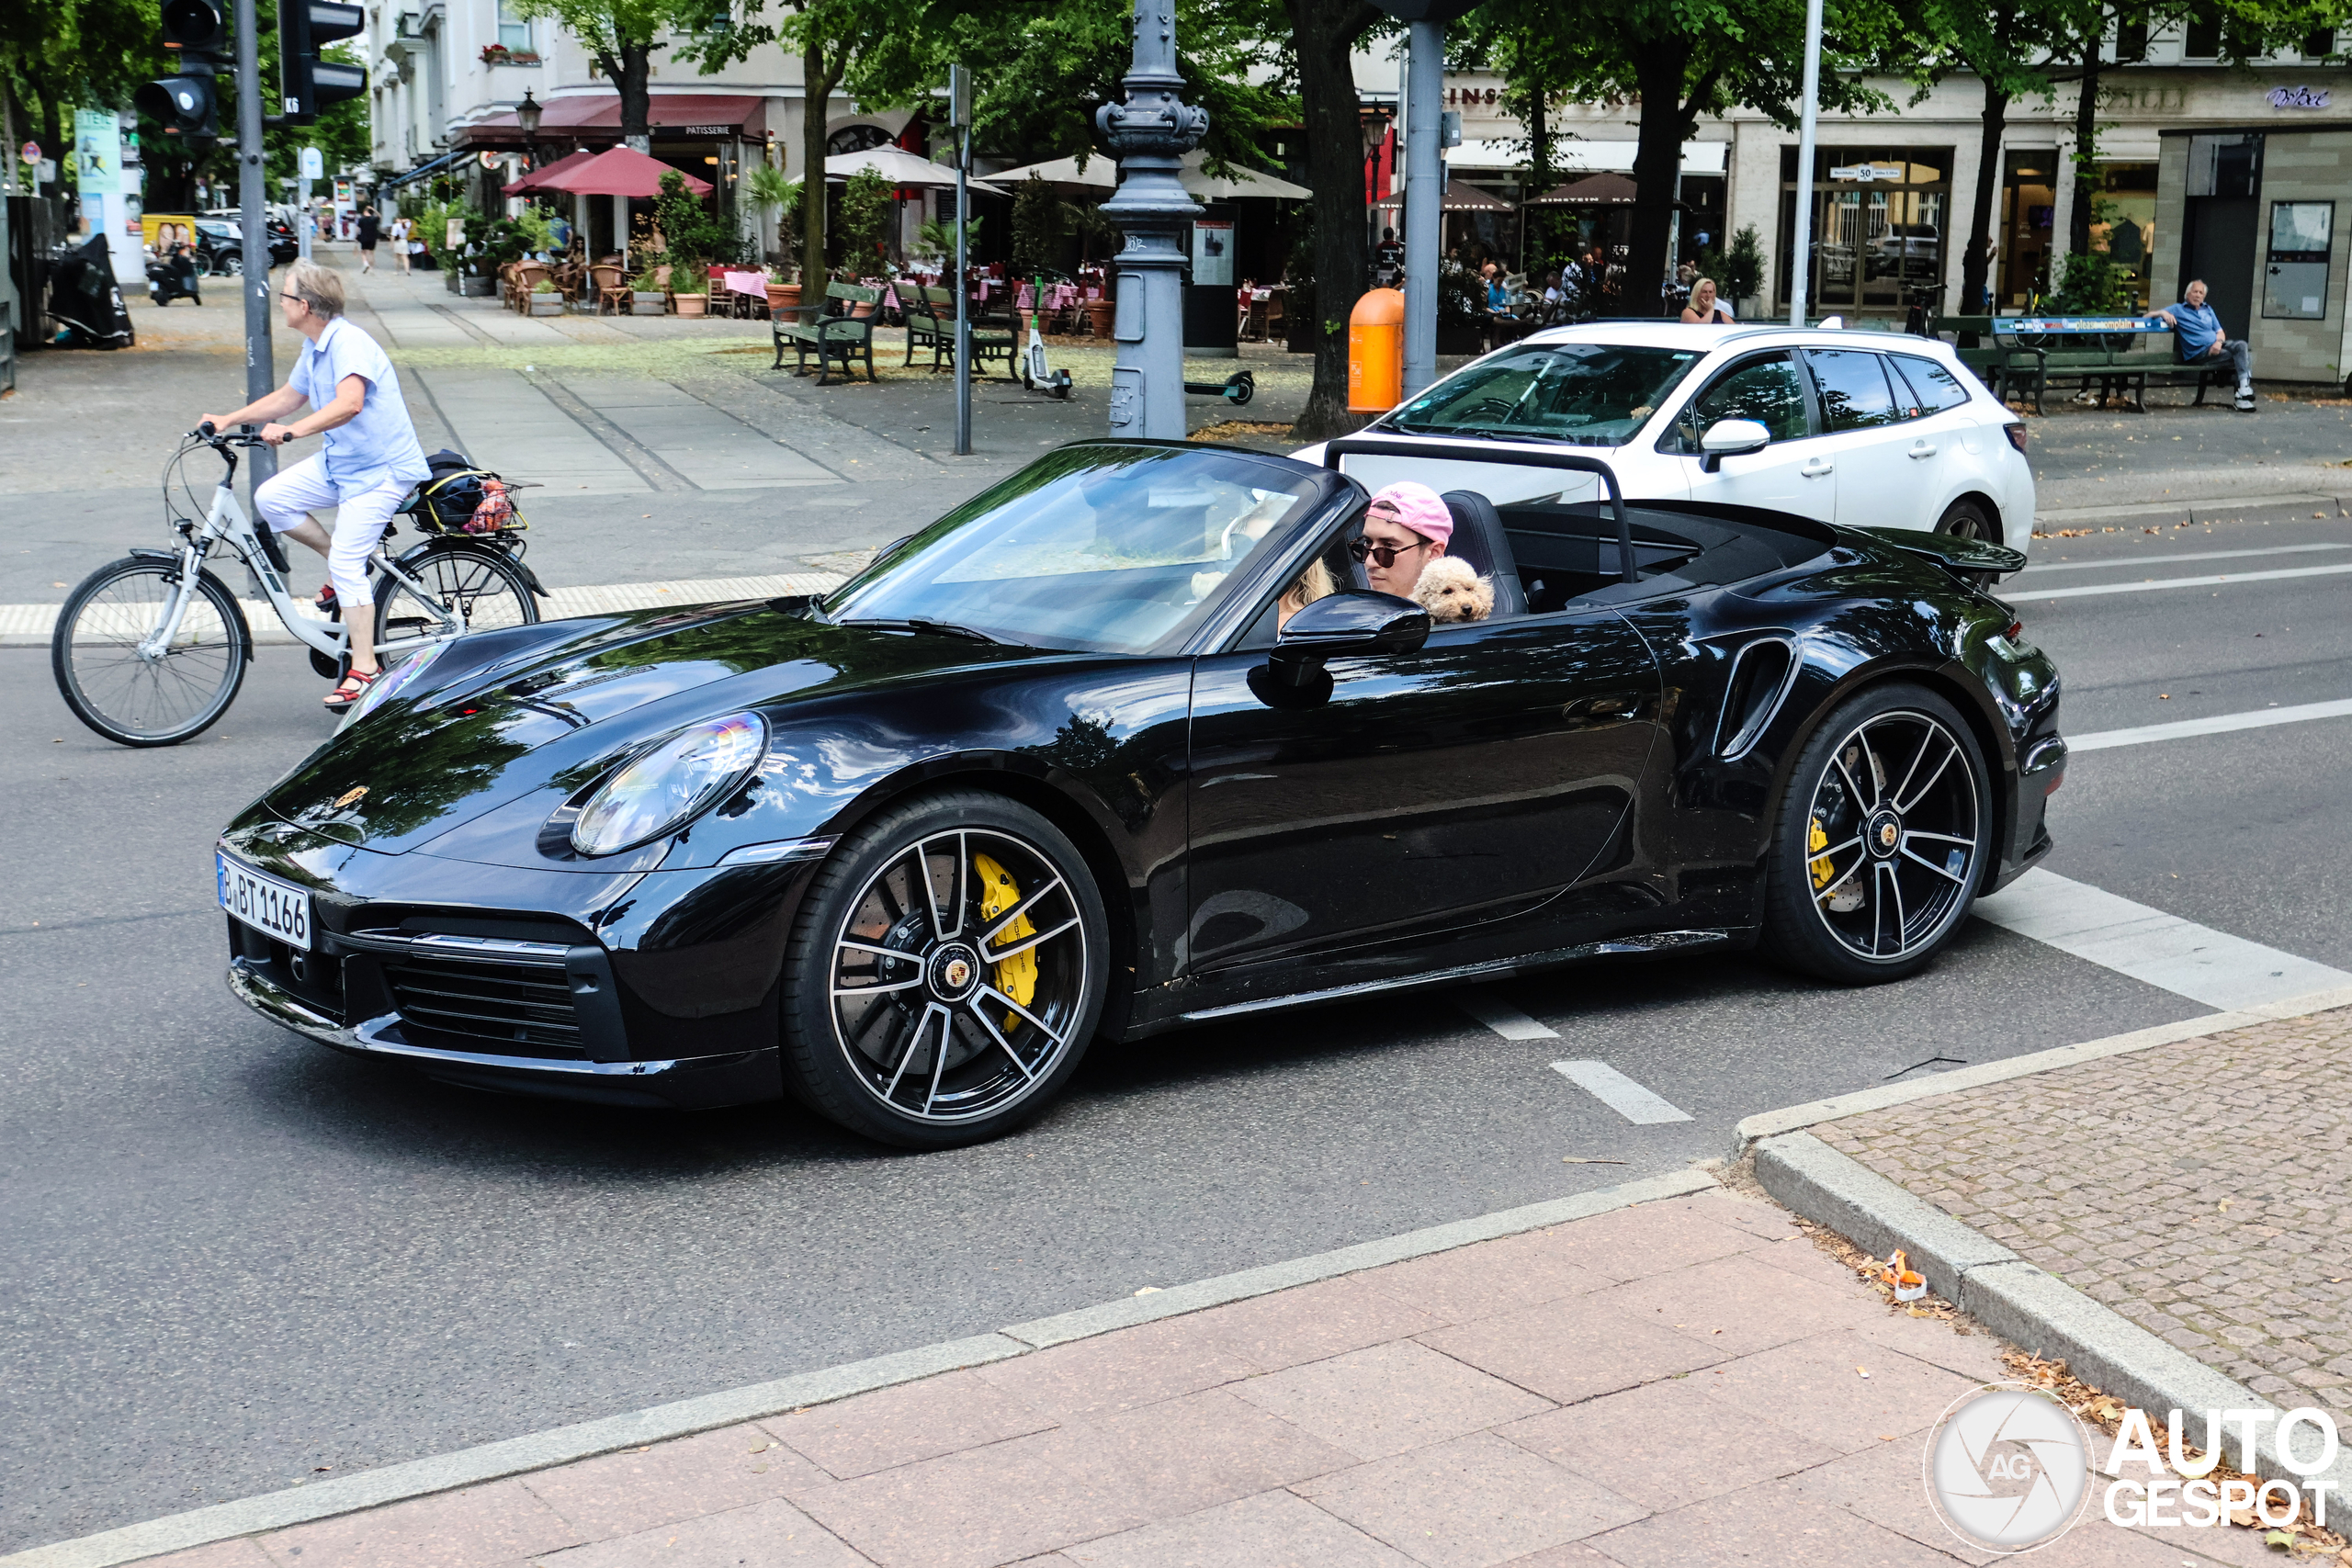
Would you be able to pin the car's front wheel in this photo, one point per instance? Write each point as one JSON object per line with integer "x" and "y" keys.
{"x": 945, "y": 973}
{"x": 1880, "y": 846}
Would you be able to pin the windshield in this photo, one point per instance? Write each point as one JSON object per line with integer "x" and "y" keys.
{"x": 1585, "y": 394}
{"x": 1103, "y": 548}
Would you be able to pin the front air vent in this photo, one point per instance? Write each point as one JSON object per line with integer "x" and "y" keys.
{"x": 499, "y": 1008}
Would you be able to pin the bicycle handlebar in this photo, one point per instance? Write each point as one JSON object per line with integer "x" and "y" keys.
{"x": 247, "y": 435}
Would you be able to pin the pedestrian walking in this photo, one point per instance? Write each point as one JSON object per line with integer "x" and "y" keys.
{"x": 368, "y": 234}
{"x": 399, "y": 243}
{"x": 2197, "y": 333}
{"x": 371, "y": 459}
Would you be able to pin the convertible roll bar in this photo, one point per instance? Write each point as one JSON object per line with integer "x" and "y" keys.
{"x": 1498, "y": 452}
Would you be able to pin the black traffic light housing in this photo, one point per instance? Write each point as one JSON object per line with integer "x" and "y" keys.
{"x": 306, "y": 26}
{"x": 187, "y": 104}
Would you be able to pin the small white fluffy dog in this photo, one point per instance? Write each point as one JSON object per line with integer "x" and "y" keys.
{"x": 1450, "y": 592}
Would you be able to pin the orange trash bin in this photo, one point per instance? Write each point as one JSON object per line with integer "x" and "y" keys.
{"x": 1376, "y": 351}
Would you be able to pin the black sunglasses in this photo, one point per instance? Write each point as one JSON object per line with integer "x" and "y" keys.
{"x": 1384, "y": 555}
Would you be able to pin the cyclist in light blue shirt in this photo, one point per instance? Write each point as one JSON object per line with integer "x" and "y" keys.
{"x": 370, "y": 463}
{"x": 2197, "y": 332}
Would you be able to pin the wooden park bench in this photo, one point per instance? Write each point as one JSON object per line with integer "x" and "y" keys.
{"x": 2118, "y": 369}
{"x": 830, "y": 337}
{"x": 931, "y": 323}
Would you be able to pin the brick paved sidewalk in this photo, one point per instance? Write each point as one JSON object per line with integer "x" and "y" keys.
{"x": 2202, "y": 1190}
{"x": 1681, "y": 1382}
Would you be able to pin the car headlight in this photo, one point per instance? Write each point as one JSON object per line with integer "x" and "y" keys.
{"x": 387, "y": 685}
{"x": 664, "y": 787}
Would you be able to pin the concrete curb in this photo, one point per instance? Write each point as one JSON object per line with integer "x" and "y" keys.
{"x": 2197, "y": 509}
{"x": 1768, "y": 1123}
{"x": 2024, "y": 1304}
{"x": 562, "y": 1445}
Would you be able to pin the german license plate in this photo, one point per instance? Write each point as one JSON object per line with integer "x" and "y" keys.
{"x": 275, "y": 908}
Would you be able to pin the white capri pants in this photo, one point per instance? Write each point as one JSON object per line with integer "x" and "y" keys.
{"x": 287, "y": 502}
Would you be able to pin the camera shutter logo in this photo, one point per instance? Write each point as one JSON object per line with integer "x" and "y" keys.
{"x": 2008, "y": 1468}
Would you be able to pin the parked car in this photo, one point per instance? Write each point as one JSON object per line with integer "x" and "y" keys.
{"x": 1860, "y": 429}
{"x": 221, "y": 243}
{"x": 1063, "y": 766}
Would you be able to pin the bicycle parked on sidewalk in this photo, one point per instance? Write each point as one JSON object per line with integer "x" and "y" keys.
{"x": 150, "y": 649}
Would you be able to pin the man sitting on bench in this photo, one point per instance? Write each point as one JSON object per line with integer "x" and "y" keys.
{"x": 2197, "y": 330}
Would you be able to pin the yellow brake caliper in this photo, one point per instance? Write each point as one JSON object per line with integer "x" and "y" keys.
{"x": 1821, "y": 870}
{"x": 1016, "y": 976}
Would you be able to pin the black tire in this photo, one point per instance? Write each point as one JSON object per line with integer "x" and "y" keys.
{"x": 1970, "y": 519}
{"x": 480, "y": 583}
{"x": 1857, "y": 790}
{"x": 134, "y": 701}
{"x": 229, "y": 263}
{"x": 868, "y": 1062}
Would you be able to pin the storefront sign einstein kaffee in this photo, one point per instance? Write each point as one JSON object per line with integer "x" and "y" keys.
{"x": 2300, "y": 97}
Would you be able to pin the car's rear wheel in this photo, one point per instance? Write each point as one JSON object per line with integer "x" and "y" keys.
{"x": 946, "y": 971}
{"x": 1879, "y": 845}
{"x": 1966, "y": 519}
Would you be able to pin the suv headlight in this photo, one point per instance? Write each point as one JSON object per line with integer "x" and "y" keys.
{"x": 666, "y": 786}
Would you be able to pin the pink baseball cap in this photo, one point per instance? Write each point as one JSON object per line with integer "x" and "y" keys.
{"x": 1418, "y": 507}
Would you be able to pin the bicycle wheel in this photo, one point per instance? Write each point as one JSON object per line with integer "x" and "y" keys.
{"x": 479, "y": 586}
{"x": 134, "y": 698}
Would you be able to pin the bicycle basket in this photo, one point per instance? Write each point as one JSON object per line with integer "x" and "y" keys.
{"x": 462, "y": 498}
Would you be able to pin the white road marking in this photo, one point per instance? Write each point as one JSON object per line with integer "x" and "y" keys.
{"x": 2161, "y": 950}
{"x": 2038, "y": 594}
{"x": 1620, "y": 1093}
{"x": 1502, "y": 1018}
{"x": 2152, "y": 560}
{"x": 2221, "y": 723}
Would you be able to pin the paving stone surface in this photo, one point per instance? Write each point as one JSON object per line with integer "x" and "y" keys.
{"x": 1690, "y": 1382}
{"x": 2203, "y": 1190}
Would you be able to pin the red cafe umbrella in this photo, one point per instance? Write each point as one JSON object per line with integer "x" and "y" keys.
{"x": 538, "y": 176}
{"x": 619, "y": 171}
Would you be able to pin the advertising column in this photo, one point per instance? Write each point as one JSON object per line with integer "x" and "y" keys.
{"x": 97, "y": 169}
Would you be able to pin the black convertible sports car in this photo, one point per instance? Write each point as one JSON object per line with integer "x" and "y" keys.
{"x": 1071, "y": 763}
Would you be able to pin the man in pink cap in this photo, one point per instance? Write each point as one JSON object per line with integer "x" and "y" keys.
{"x": 1406, "y": 527}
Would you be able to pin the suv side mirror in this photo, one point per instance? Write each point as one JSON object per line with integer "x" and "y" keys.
{"x": 1730, "y": 438}
{"x": 1350, "y": 625}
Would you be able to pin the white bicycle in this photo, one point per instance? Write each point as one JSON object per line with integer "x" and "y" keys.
{"x": 150, "y": 649}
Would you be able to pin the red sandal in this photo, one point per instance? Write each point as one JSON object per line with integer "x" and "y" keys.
{"x": 350, "y": 689}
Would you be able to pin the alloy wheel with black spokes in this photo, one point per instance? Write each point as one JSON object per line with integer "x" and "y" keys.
{"x": 1881, "y": 843}
{"x": 947, "y": 972}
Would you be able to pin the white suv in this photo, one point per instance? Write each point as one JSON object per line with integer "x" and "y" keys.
{"x": 1860, "y": 429}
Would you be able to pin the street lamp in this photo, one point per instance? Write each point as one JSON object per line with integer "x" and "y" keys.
{"x": 1149, "y": 134}
{"x": 527, "y": 115}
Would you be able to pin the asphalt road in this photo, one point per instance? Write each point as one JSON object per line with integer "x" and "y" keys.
{"x": 231, "y": 1261}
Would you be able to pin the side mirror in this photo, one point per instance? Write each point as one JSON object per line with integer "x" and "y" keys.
{"x": 1731, "y": 438}
{"x": 1352, "y": 625}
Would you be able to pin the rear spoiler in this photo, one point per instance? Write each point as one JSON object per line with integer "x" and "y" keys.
{"x": 1961, "y": 554}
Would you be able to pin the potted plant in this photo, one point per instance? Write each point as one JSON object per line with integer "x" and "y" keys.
{"x": 864, "y": 209}
{"x": 647, "y": 295}
{"x": 782, "y": 297}
{"x": 690, "y": 291}
{"x": 770, "y": 193}
{"x": 546, "y": 300}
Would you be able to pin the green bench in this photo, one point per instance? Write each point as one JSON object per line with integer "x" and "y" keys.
{"x": 2116, "y": 370}
{"x": 931, "y": 323}
{"x": 832, "y": 336}
{"x": 1998, "y": 363}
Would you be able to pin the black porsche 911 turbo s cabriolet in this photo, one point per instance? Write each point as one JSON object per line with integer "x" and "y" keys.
{"x": 1071, "y": 763}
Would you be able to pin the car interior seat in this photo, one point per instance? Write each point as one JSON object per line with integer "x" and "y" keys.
{"x": 1478, "y": 538}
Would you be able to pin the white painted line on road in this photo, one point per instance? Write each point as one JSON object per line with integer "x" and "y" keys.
{"x": 1502, "y": 1018}
{"x": 1620, "y": 1093}
{"x": 2152, "y": 560}
{"x": 2219, "y": 724}
{"x": 2039, "y": 593}
{"x": 2152, "y": 947}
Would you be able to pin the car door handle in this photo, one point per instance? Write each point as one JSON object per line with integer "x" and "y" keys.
{"x": 1818, "y": 467}
{"x": 1923, "y": 449}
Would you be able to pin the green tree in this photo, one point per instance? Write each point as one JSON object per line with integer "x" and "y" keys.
{"x": 1323, "y": 36}
{"x": 867, "y": 200}
{"x": 621, "y": 36}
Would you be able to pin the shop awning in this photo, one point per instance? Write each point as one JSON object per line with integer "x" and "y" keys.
{"x": 393, "y": 182}
{"x": 1593, "y": 190}
{"x": 597, "y": 118}
{"x": 539, "y": 176}
{"x": 1459, "y": 198}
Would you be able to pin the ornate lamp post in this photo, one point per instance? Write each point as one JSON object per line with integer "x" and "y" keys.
{"x": 527, "y": 115}
{"x": 1150, "y": 133}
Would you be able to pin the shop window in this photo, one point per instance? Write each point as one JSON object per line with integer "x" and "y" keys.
{"x": 1879, "y": 226}
{"x": 2124, "y": 221}
{"x": 2294, "y": 285}
{"x": 2029, "y": 204}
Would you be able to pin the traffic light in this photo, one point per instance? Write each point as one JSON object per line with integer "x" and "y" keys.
{"x": 187, "y": 104}
{"x": 304, "y": 27}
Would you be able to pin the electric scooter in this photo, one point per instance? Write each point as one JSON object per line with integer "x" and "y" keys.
{"x": 1033, "y": 373}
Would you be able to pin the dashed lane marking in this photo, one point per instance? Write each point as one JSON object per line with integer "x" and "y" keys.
{"x": 2128, "y": 561}
{"x": 2157, "y": 949}
{"x": 1620, "y": 1093}
{"x": 2218, "y": 723}
{"x": 1502, "y": 1018}
{"x": 2035, "y": 594}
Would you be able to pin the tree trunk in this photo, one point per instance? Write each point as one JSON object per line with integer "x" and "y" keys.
{"x": 1324, "y": 33}
{"x": 817, "y": 86}
{"x": 2079, "y": 230}
{"x": 1539, "y": 179}
{"x": 628, "y": 70}
{"x": 52, "y": 146}
{"x": 1977, "y": 262}
{"x": 1661, "y": 68}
